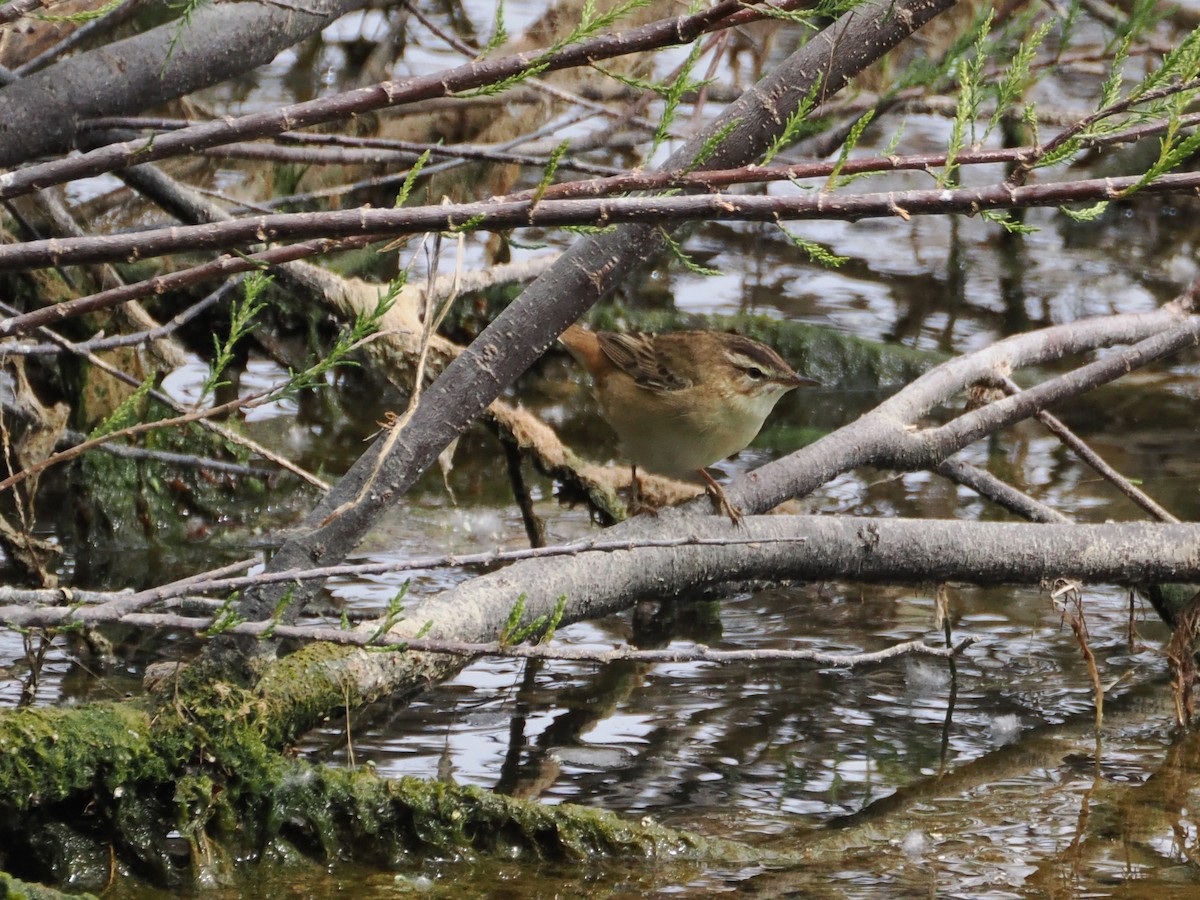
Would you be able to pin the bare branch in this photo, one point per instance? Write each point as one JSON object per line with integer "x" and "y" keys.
{"x": 365, "y": 637}
{"x": 504, "y": 214}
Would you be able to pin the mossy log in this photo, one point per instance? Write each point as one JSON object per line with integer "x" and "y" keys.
{"x": 173, "y": 786}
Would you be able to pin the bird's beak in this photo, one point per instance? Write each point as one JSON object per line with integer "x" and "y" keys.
{"x": 799, "y": 381}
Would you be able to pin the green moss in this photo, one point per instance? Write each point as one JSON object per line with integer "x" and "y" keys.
{"x": 15, "y": 889}
{"x": 206, "y": 763}
{"x": 1171, "y": 600}
{"x": 163, "y": 502}
{"x": 47, "y": 755}
{"x": 352, "y": 814}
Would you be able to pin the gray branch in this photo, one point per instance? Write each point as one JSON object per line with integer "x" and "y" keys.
{"x": 40, "y": 114}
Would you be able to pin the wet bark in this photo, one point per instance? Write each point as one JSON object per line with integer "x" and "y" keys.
{"x": 43, "y": 113}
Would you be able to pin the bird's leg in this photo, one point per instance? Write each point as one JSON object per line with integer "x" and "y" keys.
{"x": 636, "y": 506}
{"x": 720, "y": 502}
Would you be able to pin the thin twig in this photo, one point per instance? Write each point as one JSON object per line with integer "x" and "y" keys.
{"x": 115, "y": 604}
{"x": 988, "y": 485}
{"x": 99, "y": 344}
{"x": 1067, "y": 595}
{"x": 211, "y": 425}
{"x": 1093, "y": 459}
{"x": 366, "y": 637}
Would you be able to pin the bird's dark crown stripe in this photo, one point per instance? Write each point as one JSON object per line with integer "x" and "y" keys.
{"x": 745, "y": 354}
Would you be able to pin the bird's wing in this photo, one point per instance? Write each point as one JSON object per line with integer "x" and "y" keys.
{"x": 634, "y": 355}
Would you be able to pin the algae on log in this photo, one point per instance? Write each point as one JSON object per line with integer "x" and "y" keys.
{"x": 126, "y": 502}
{"x": 22, "y": 890}
{"x": 103, "y": 782}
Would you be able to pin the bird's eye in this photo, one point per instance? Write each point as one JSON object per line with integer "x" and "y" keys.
{"x": 756, "y": 373}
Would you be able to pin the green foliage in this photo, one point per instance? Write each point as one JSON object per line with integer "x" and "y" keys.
{"x": 468, "y": 225}
{"x": 556, "y": 617}
{"x": 499, "y": 32}
{"x": 364, "y": 326}
{"x": 1085, "y": 215}
{"x": 589, "y": 25}
{"x": 712, "y": 144}
{"x": 672, "y": 95}
{"x": 797, "y": 125}
{"x": 934, "y": 72}
{"x": 1111, "y": 91}
{"x": 187, "y": 10}
{"x": 815, "y": 251}
{"x": 548, "y": 172}
{"x": 630, "y": 81}
{"x": 812, "y": 16}
{"x": 395, "y": 286}
{"x": 1004, "y": 219}
{"x": 585, "y": 229}
{"x": 226, "y": 617}
{"x": 537, "y": 67}
{"x": 1017, "y": 77}
{"x": 127, "y": 413}
{"x": 514, "y": 633}
{"x": 1115, "y": 112}
{"x": 513, "y": 620}
{"x": 848, "y": 145}
{"x": 970, "y": 94}
{"x": 285, "y": 177}
{"x": 1181, "y": 64}
{"x": 82, "y": 17}
{"x": 241, "y": 323}
{"x": 411, "y": 179}
{"x": 688, "y": 263}
{"x": 894, "y": 141}
{"x": 1175, "y": 148}
{"x": 1066, "y": 28}
{"x": 393, "y": 613}
{"x": 145, "y": 148}
{"x": 277, "y": 614}
{"x": 1140, "y": 17}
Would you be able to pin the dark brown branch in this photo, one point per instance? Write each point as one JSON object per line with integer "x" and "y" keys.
{"x": 504, "y": 214}
{"x": 473, "y": 75}
{"x": 221, "y": 267}
{"x": 712, "y": 180}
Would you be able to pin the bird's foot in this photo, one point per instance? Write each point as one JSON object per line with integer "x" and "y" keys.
{"x": 720, "y": 502}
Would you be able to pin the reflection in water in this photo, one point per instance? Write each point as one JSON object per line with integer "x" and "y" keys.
{"x": 893, "y": 777}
